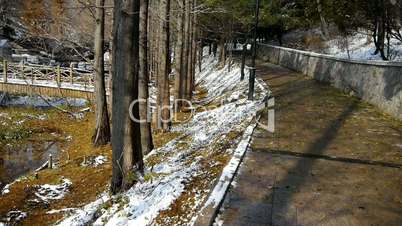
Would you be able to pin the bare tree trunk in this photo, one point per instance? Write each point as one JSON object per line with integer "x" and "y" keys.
{"x": 186, "y": 49}
{"x": 222, "y": 52}
{"x": 125, "y": 133}
{"x": 111, "y": 68}
{"x": 194, "y": 64}
{"x": 200, "y": 56}
{"x": 164, "y": 89}
{"x": 179, "y": 54}
{"x": 379, "y": 28}
{"x": 324, "y": 25}
{"x": 195, "y": 48}
{"x": 243, "y": 60}
{"x": 190, "y": 54}
{"x": 230, "y": 56}
{"x": 214, "y": 48}
{"x": 143, "y": 80}
{"x": 110, "y": 82}
{"x": 379, "y": 37}
{"x": 102, "y": 129}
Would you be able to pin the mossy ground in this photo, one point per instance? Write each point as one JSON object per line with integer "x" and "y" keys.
{"x": 88, "y": 182}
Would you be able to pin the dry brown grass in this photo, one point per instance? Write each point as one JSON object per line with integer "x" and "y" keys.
{"x": 88, "y": 182}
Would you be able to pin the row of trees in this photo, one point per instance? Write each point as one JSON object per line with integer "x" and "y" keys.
{"x": 381, "y": 19}
{"x": 153, "y": 40}
{"x": 144, "y": 37}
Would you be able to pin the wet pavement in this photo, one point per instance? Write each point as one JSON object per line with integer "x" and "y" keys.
{"x": 332, "y": 160}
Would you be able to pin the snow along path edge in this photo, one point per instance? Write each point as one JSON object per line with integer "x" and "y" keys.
{"x": 211, "y": 208}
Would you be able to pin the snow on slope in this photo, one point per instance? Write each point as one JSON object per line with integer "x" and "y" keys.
{"x": 359, "y": 49}
{"x": 181, "y": 163}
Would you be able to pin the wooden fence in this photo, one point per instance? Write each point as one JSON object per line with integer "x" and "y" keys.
{"x": 33, "y": 73}
{"x": 19, "y": 78}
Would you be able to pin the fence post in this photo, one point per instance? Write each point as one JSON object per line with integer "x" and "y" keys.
{"x": 71, "y": 74}
{"x": 50, "y": 162}
{"x": 32, "y": 74}
{"x": 5, "y": 68}
{"x": 58, "y": 75}
{"x": 22, "y": 70}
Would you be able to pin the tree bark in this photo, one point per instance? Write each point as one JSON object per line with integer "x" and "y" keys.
{"x": 190, "y": 54}
{"x": 195, "y": 47}
{"x": 222, "y": 52}
{"x": 214, "y": 48}
{"x": 102, "y": 128}
{"x": 125, "y": 133}
{"x": 230, "y": 56}
{"x": 243, "y": 61}
{"x": 186, "y": 49}
{"x": 379, "y": 37}
{"x": 200, "y": 56}
{"x": 143, "y": 80}
{"x": 324, "y": 25}
{"x": 164, "y": 89}
{"x": 179, "y": 56}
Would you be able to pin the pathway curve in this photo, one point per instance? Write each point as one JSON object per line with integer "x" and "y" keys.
{"x": 332, "y": 160}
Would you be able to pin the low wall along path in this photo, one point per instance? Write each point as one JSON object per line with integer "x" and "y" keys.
{"x": 376, "y": 82}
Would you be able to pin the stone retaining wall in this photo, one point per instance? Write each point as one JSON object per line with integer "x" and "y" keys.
{"x": 377, "y": 82}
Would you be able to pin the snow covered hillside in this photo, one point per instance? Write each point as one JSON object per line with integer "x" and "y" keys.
{"x": 180, "y": 175}
{"x": 359, "y": 48}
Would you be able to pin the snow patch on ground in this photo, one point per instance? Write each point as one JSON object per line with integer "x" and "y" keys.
{"x": 61, "y": 210}
{"x": 13, "y": 217}
{"x": 85, "y": 214}
{"x": 100, "y": 160}
{"x": 94, "y": 161}
{"x": 5, "y": 190}
{"x": 48, "y": 192}
{"x": 218, "y": 221}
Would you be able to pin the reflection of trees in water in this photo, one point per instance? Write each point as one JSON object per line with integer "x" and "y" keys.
{"x": 19, "y": 160}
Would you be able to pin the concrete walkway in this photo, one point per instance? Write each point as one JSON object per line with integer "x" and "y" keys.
{"x": 332, "y": 160}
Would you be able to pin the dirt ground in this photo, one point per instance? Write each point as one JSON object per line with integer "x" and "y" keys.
{"x": 332, "y": 160}
{"x": 88, "y": 182}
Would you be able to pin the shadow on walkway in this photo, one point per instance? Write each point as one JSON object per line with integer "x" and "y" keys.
{"x": 331, "y": 161}
{"x": 304, "y": 166}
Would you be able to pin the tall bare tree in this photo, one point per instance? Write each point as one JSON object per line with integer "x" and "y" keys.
{"x": 102, "y": 128}
{"x": 127, "y": 154}
{"x": 179, "y": 52}
{"x": 186, "y": 48}
{"x": 165, "y": 67}
{"x": 143, "y": 80}
{"x": 194, "y": 49}
{"x": 323, "y": 21}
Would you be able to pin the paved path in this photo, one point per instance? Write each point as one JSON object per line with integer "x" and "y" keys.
{"x": 332, "y": 160}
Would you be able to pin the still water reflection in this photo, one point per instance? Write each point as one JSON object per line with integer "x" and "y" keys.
{"x": 17, "y": 161}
